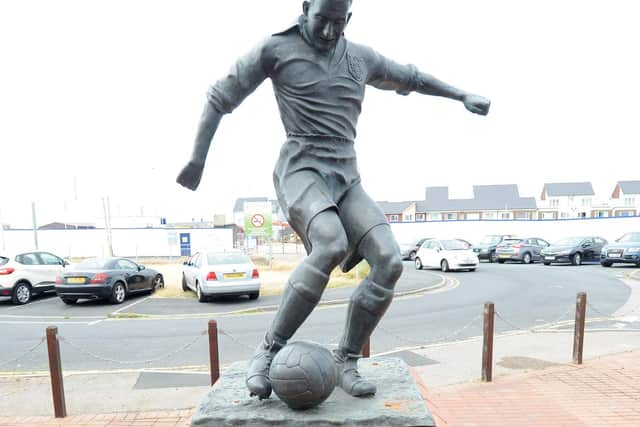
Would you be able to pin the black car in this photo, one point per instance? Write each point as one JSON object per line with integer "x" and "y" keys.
{"x": 486, "y": 249}
{"x": 106, "y": 278}
{"x": 408, "y": 250}
{"x": 625, "y": 250}
{"x": 574, "y": 250}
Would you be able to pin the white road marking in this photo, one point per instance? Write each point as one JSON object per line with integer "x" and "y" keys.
{"x": 16, "y": 307}
{"x": 128, "y": 306}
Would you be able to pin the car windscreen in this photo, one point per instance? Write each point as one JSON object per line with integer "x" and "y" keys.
{"x": 453, "y": 245}
{"x": 507, "y": 242}
{"x": 93, "y": 264}
{"x": 229, "y": 258}
{"x": 3, "y": 260}
{"x": 630, "y": 237}
{"x": 569, "y": 241}
{"x": 490, "y": 240}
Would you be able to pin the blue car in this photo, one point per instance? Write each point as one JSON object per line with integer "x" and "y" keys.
{"x": 625, "y": 250}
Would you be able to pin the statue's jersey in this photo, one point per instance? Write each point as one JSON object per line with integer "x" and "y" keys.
{"x": 318, "y": 94}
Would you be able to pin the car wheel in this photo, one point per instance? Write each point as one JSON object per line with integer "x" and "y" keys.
{"x": 576, "y": 259}
{"x": 606, "y": 263}
{"x": 254, "y": 295}
{"x": 200, "y": 294}
{"x": 546, "y": 263}
{"x": 526, "y": 258}
{"x": 418, "y": 263}
{"x": 493, "y": 257}
{"x": 472, "y": 269}
{"x": 444, "y": 265}
{"x": 185, "y": 288}
{"x": 21, "y": 293}
{"x": 500, "y": 261}
{"x": 118, "y": 294}
{"x": 69, "y": 301}
{"x": 158, "y": 283}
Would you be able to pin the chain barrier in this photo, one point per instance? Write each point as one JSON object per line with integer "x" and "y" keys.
{"x": 609, "y": 317}
{"x": 235, "y": 340}
{"x": 513, "y": 325}
{"x": 441, "y": 338}
{"x": 252, "y": 349}
{"x": 133, "y": 362}
{"x": 31, "y": 349}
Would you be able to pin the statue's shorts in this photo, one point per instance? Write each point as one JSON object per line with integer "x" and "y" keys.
{"x": 315, "y": 174}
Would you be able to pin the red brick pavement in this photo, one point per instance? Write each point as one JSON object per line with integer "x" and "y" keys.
{"x": 602, "y": 392}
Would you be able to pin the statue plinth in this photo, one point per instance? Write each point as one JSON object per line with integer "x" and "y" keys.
{"x": 398, "y": 402}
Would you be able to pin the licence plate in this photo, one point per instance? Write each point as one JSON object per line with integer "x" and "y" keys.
{"x": 614, "y": 255}
{"x": 505, "y": 256}
{"x": 75, "y": 280}
{"x": 233, "y": 275}
{"x": 550, "y": 258}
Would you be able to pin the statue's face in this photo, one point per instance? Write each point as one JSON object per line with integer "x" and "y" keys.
{"x": 325, "y": 22}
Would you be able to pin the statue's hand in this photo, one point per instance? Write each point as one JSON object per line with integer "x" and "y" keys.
{"x": 477, "y": 104}
{"x": 190, "y": 175}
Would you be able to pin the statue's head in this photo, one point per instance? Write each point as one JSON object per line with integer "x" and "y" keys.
{"x": 325, "y": 21}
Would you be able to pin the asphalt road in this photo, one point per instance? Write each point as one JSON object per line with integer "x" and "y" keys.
{"x": 171, "y": 333}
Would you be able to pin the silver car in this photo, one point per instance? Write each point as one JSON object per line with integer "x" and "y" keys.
{"x": 27, "y": 273}
{"x": 219, "y": 274}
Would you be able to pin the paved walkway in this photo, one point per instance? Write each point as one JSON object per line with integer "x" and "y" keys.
{"x": 601, "y": 392}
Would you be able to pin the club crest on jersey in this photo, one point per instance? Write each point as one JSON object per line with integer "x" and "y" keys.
{"x": 356, "y": 67}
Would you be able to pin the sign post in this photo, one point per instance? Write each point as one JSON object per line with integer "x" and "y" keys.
{"x": 257, "y": 222}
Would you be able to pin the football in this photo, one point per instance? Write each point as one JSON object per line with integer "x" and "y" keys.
{"x": 303, "y": 374}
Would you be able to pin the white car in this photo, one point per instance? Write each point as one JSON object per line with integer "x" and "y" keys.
{"x": 446, "y": 254}
{"x": 219, "y": 274}
{"x": 27, "y": 273}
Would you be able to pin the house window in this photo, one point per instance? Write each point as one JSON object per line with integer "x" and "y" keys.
{"x": 564, "y": 215}
{"x": 435, "y": 217}
{"x": 629, "y": 201}
{"x": 450, "y": 217}
{"x": 624, "y": 213}
{"x": 555, "y": 203}
{"x": 407, "y": 218}
{"x": 489, "y": 215}
{"x": 420, "y": 217}
{"x": 602, "y": 214}
{"x": 394, "y": 218}
{"x": 582, "y": 214}
{"x": 505, "y": 215}
{"x": 522, "y": 215}
{"x": 586, "y": 201}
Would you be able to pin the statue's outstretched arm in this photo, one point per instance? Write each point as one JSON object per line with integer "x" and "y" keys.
{"x": 386, "y": 74}
{"x": 428, "y": 85}
{"x": 191, "y": 173}
{"x": 222, "y": 98}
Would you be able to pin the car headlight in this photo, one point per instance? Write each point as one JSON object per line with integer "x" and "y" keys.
{"x": 567, "y": 252}
{"x": 636, "y": 249}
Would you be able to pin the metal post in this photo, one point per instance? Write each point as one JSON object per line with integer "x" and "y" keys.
{"x": 55, "y": 370}
{"x": 487, "y": 343}
{"x": 107, "y": 223}
{"x": 214, "y": 362}
{"x": 578, "y": 331}
{"x": 35, "y": 226}
{"x": 366, "y": 349}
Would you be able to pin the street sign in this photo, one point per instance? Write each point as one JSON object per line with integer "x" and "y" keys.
{"x": 257, "y": 219}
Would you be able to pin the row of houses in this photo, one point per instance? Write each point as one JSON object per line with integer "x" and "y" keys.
{"x": 502, "y": 202}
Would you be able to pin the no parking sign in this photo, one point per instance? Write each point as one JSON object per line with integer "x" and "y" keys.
{"x": 257, "y": 219}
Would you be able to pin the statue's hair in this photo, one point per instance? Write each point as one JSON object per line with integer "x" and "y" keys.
{"x": 311, "y": 2}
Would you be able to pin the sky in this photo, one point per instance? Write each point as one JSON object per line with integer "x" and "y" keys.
{"x": 102, "y": 99}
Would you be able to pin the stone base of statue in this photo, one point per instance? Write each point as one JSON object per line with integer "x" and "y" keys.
{"x": 398, "y": 402}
